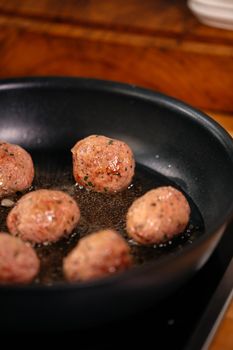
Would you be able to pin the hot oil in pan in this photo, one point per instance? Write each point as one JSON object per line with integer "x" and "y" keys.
{"x": 98, "y": 211}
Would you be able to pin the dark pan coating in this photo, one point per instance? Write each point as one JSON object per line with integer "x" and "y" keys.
{"x": 98, "y": 211}
{"x": 200, "y": 155}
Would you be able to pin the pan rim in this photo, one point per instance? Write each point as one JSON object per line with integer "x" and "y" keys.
{"x": 152, "y": 96}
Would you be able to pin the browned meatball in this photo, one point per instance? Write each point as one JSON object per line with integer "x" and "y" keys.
{"x": 158, "y": 216}
{"x": 97, "y": 255}
{"x": 103, "y": 164}
{"x": 16, "y": 169}
{"x": 18, "y": 261}
{"x": 43, "y": 216}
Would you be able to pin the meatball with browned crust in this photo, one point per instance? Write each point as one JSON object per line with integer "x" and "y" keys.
{"x": 43, "y": 216}
{"x": 18, "y": 261}
{"x": 16, "y": 169}
{"x": 103, "y": 164}
{"x": 97, "y": 255}
{"x": 158, "y": 216}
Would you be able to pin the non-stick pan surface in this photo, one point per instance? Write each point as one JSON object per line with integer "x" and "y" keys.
{"x": 171, "y": 141}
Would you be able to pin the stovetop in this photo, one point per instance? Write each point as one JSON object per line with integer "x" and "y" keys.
{"x": 173, "y": 322}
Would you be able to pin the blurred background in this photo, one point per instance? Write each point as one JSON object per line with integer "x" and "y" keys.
{"x": 159, "y": 44}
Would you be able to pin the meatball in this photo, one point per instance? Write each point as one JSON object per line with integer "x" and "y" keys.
{"x": 18, "y": 261}
{"x": 103, "y": 164}
{"x": 157, "y": 216}
{"x": 97, "y": 255}
{"x": 16, "y": 169}
{"x": 43, "y": 216}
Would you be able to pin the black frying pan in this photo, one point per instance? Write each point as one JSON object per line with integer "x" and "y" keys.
{"x": 169, "y": 139}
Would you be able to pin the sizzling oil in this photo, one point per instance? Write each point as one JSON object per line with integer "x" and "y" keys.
{"x": 98, "y": 211}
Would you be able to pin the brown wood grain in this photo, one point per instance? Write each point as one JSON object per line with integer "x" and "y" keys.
{"x": 223, "y": 339}
{"x": 151, "y": 16}
{"x": 225, "y": 120}
{"x": 156, "y": 44}
{"x": 197, "y": 73}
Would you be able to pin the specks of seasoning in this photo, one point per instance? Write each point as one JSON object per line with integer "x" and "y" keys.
{"x": 85, "y": 178}
{"x": 105, "y": 189}
{"x": 126, "y": 168}
{"x": 110, "y": 142}
{"x": 153, "y": 204}
{"x": 11, "y": 154}
{"x": 90, "y": 184}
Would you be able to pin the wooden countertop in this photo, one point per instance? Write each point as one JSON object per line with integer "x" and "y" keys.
{"x": 156, "y": 44}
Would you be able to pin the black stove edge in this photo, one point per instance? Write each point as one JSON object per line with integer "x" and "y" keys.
{"x": 213, "y": 314}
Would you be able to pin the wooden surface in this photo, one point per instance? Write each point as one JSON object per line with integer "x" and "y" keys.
{"x": 156, "y": 44}
{"x": 223, "y": 339}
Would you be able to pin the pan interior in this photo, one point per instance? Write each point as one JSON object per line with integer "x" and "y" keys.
{"x": 99, "y": 211}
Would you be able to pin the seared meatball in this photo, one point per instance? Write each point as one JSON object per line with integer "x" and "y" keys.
{"x": 158, "y": 216}
{"x": 103, "y": 164}
{"x": 18, "y": 261}
{"x": 97, "y": 255}
{"x": 16, "y": 169}
{"x": 43, "y": 216}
